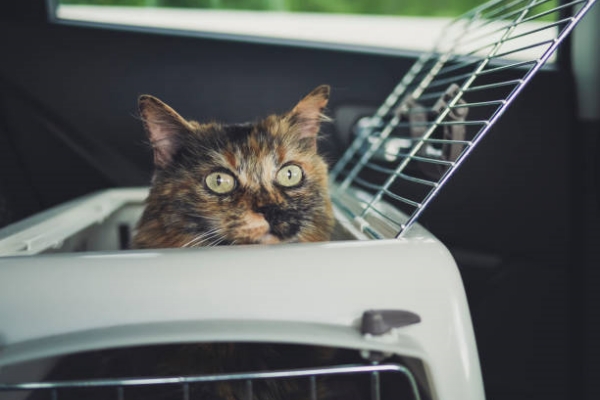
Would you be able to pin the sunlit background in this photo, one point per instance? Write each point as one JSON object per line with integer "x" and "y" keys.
{"x": 439, "y": 8}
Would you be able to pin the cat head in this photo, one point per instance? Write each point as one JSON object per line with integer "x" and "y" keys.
{"x": 261, "y": 182}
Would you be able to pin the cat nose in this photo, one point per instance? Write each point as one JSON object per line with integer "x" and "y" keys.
{"x": 271, "y": 212}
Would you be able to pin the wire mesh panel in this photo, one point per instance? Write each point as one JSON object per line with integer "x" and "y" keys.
{"x": 404, "y": 154}
{"x": 241, "y": 386}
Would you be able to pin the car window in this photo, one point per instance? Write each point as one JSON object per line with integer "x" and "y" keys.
{"x": 364, "y": 25}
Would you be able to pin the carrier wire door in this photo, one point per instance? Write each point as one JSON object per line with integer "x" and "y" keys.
{"x": 443, "y": 107}
{"x": 182, "y": 387}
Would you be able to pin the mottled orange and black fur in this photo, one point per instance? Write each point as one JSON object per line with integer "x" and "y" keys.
{"x": 248, "y": 201}
{"x": 183, "y": 211}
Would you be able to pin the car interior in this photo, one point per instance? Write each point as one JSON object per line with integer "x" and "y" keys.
{"x": 520, "y": 217}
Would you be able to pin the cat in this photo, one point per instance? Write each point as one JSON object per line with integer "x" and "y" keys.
{"x": 227, "y": 184}
{"x": 251, "y": 183}
{"x": 232, "y": 184}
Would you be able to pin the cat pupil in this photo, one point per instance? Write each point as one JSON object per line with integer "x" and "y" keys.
{"x": 219, "y": 180}
{"x": 289, "y": 173}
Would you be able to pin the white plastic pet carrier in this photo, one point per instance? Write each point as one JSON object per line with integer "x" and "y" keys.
{"x": 396, "y": 303}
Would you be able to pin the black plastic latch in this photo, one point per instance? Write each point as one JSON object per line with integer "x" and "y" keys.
{"x": 380, "y": 322}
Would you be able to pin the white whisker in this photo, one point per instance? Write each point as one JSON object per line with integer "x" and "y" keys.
{"x": 204, "y": 236}
{"x": 216, "y": 242}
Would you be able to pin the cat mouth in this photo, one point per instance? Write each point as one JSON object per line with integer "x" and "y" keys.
{"x": 257, "y": 230}
{"x": 268, "y": 238}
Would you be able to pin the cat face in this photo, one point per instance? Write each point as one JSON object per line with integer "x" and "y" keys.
{"x": 220, "y": 184}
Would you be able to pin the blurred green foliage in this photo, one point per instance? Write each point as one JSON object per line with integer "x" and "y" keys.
{"x": 379, "y": 7}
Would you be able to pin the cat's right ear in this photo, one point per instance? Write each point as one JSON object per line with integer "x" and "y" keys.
{"x": 308, "y": 113}
{"x": 164, "y": 128}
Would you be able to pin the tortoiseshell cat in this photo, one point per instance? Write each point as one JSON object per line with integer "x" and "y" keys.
{"x": 227, "y": 184}
{"x": 218, "y": 184}
{"x": 253, "y": 183}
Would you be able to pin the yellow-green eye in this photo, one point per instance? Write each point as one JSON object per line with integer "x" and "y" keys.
{"x": 220, "y": 182}
{"x": 289, "y": 176}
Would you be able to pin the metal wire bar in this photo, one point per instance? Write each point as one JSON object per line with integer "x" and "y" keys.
{"x": 464, "y": 64}
{"x": 521, "y": 35}
{"x": 417, "y": 180}
{"x": 531, "y": 46}
{"x": 537, "y": 30}
{"x": 367, "y": 185}
{"x": 375, "y": 386}
{"x": 381, "y": 112}
{"x": 416, "y": 110}
{"x": 371, "y": 232}
{"x": 517, "y": 65}
{"x": 490, "y": 34}
{"x": 403, "y": 176}
{"x": 410, "y": 156}
{"x": 497, "y": 22}
{"x": 478, "y": 104}
{"x": 446, "y": 81}
{"x": 313, "y": 387}
{"x": 530, "y": 32}
{"x": 510, "y": 98}
{"x": 384, "y": 216}
{"x": 250, "y": 376}
{"x": 186, "y": 391}
{"x": 432, "y": 96}
{"x": 505, "y": 7}
{"x": 248, "y": 392}
{"x": 493, "y": 85}
{"x": 517, "y": 13}
{"x": 479, "y": 9}
{"x": 465, "y": 123}
{"x": 444, "y": 141}
{"x": 443, "y": 123}
{"x": 501, "y": 55}
{"x": 415, "y": 94}
{"x": 448, "y": 172}
{"x": 392, "y": 124}
{"x": 484, "y": 21}
{"x": 558, "y": 8}
{"x": 368, "y": 154}
{"x": 441, "y": 117}
{"x": 402, "y": 199}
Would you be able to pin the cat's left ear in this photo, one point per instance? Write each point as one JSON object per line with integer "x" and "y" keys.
{"x": 308, "y": 113}
{"x": 164, "y": 128}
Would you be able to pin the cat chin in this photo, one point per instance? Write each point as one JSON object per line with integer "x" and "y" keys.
{"x": 268, "y": 239}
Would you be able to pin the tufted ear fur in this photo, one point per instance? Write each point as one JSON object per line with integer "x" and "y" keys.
{"x": 164, "y": 128}
{"x": 308, "y": 113}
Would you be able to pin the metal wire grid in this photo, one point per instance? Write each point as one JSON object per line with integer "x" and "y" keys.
{"x": 121, "y": 386}
{"x": 450, "y": 98}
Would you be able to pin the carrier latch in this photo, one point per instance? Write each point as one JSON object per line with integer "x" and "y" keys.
{"x": 380, "y": 322}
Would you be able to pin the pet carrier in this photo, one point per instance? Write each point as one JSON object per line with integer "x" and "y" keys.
{"x": 394, "y": 307}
